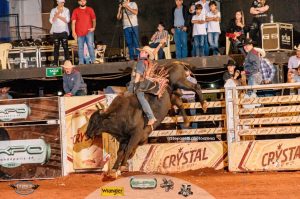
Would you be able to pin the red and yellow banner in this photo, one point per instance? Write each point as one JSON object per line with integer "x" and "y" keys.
{"x": 265, "y": 155}
{"x": 82, "y": 153}
{"x": 177, "y": 157}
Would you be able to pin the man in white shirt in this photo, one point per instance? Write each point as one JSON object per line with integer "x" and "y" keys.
{"x": 129, "y": 11}
{"x": 59, "y": 18}
{"x": 294, "y": 61}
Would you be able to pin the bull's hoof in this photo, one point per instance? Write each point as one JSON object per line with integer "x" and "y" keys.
{"x": 124, "y": 169}
{"x": 204, "y": 106}
{"x": 186, "y": 124}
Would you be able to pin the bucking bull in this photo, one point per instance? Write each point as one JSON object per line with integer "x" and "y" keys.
{"x": 124, "y": 118}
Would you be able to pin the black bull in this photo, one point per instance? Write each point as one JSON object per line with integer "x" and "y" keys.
{"x": 124, "y": 118}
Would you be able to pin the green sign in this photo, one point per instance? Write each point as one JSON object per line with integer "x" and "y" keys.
{"x": 54, "y": 72}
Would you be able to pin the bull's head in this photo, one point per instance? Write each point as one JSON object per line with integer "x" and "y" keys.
{"x": 95, "y": 126}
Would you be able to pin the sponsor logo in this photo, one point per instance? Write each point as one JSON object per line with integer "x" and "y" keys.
{"x": 143, "y": 183}
{"x": 112, "y": 191}
{"x": 281, "y": 156}
{"x": 286, "y": 39}
{"x": 167, "y": 185}
{"x": 185, "y": 190}
{"x": 14, "y": 111}
{"x": 14, "y": 153}
{"x": 24, "y": 188}
{"x": 185, "y": 157}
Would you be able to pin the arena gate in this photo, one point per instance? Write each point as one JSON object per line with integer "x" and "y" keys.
{"x": 263, "y": 131}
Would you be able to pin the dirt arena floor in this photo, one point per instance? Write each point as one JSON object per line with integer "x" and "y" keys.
{"x": 219, "y": 184}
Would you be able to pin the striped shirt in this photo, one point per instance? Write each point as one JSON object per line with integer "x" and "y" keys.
{"x": 159, "y": 36}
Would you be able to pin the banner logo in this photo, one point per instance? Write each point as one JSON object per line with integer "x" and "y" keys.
{"x": 14, "y": 153}
{"x": 143, "y": 183}
{"x": 24, "y": 187}
{"x": 112, "y": 191}
{"x": 14, "y": 111}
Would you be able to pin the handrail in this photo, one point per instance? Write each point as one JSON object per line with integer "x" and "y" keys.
{"x": 270, "y": 86}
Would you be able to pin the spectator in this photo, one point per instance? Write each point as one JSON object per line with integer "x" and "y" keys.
{"x": 266, "y": 67}
{"x": 252, "y": 64}
{"x": 180, "y": 22}
{"x": 72, "y": 81}
{"x": 156, "y": 39}
{"x": 231, "y": 73}
{"x": 199, "y": 30}
{"x": 4, "y": 93}
{"x": 83, "y": 27}
{"x": 213, "y": 19}
{"x": 205, "y": 10}
{"x": 59, "y": 18}
{"x": 129, "y": 11}
{"x": 237, "y": 31}
{"x": 259, "y": 10}
{"x": 294, "y": 61}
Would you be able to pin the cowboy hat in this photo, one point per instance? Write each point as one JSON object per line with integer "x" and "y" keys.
{"x": 60, "y": 1}
{"x": 297, "y": 47}
{"x": 230, "y": 63}
{"x": 148, "y": 50}
{"x": 261, "y": 51}
{"x": 68, "y": 64}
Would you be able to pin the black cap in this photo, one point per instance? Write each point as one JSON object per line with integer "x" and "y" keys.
{"x": 249, "y": 41}
{"x": 230, "y": 63}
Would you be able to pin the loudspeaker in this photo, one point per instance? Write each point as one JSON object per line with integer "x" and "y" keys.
{"x": 277, "y": 36}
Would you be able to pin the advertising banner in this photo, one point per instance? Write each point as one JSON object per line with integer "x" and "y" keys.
{"x": 265, "y": 155}
{"x": 31, "y": 151}
{"x": 168, "y": 158}
{"x": 82, "y": 153}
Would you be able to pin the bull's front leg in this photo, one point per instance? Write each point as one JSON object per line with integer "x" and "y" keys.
{"x": 139, "y": 136}
{"x": 186, "y": 85}
{"x": 177, "y": 101}
{"x": 120, "y": 155}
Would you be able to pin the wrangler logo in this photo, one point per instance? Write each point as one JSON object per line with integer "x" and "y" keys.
{"x": 112, "y": 191}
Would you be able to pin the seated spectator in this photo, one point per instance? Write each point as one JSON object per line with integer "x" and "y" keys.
{"x": 158, "y": 37}
{"x": 72, "y": 81}
{"x": 266, "y": 67}
{"x": 231, "y": 73}
{"x": 237, "y": 31}
{"x": 4, "y": 93}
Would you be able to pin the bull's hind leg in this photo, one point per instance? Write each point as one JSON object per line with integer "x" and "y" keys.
{"x": 186, "y": 85}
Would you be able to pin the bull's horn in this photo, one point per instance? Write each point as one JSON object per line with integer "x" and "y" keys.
{"x": 102, "y": 106}
{"x": 98, "y": 107}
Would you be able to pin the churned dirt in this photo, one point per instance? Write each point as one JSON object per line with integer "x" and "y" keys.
{"x": 220, "y": 184}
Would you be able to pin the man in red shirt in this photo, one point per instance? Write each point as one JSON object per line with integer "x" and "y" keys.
{"x": 83, "y": 27}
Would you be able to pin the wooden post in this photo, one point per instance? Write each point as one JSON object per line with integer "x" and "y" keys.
{"x": 231, "y": 114}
